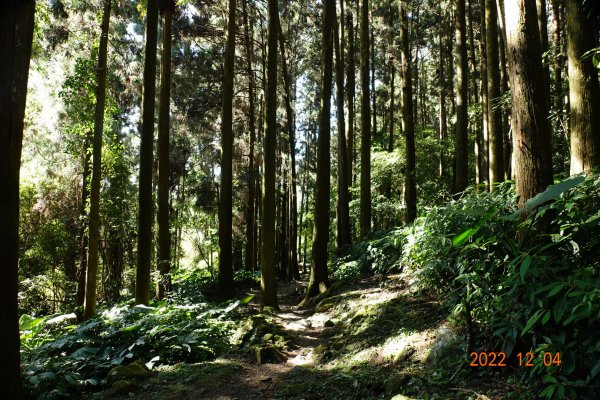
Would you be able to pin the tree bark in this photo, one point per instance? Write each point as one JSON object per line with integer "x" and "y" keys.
{"x": 443, "y": 125}
{"x": 16, "y": 34}
{"x": 342, "y": 209}
{"x": 584, "y": 93}
{"x": 225, "y": 280}
{"x": 484, "y": 98}
{"x": 410, "y": 189}
{"x": 293, "y": 209}
{"x": 250, "y": 215}
{"x": 365, "y": 123}
{"x": 83, "y": 232}
{"x": 496, "y": 159}
{"x": 350, "y": 92}
{"x": 461, "y": 76}
{"x": 164, "y": 235}
{"x": 533, "y": 164}
{"x": 319, "y": 279}
{"x": 89, "y": 305}
{"x": 145, "y": 211}
{"x": 268, "y": 283}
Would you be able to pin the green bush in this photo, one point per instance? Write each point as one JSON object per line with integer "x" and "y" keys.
{"x": 61, "y": 359}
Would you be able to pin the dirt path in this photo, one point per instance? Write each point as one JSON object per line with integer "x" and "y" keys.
{"x": 259, "y": 381}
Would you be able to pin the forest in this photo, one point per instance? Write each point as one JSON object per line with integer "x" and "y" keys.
{"x": 298, "y": 199}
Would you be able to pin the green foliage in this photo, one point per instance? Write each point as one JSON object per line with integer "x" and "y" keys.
{"x": 62, "y": 359}
{"x": 529, "y": 280}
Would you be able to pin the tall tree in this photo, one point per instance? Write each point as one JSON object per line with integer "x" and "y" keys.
{"x": 164, "y": 235}
{"x": 557, "y": 67}
{"x": 292, "y": 237}
{"x": 584, "y": 93}
{"x": 533, "y": 163}
{"x": 268, "y": 284}
{"x": 461, "y": 76}
{"x": 16, "y": 34}
{"x": 83, "y": 230}
{"x": 496, "y": 159}
{"x": 342, "y": 209}
{"x": 319, "y": 279}
{"x": 443, "y": 125}
{"x": 89, "y": 305}
{"x": 145, "y": 211}
{"x": 410, "y": 190}
{"x": 225, "y": 281}
{"x": 350, "y": 91}
{"x": 365, "y": 123}
{"x": 250, "y": 214}
{"x": 484, "y": 151}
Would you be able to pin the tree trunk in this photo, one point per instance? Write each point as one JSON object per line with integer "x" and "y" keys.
{"x": 83, "y": 232}
{"x": 16, "y": 34}
{"x": 145, "y": 211}
{"x": 268, "y": 282}
{"x": 350, "y": 91}
{"x": 533, "y": 166}
{"x": 89, "y": 306}
{"x": 474, "y": 128}
{"x": 250, "y": 215}
{"x": 484, "y": 99}
{"x": 164, "y": 235}
{"x": 562, "y": 148}
{"x": 443, "y": 125}
{"x": 225, "y": 280}
{"x": 496, "y": 160}
{"x": 410, "y": 189}
{"x": 319, "y": 279}
{"x": 584, "y": 93}
{"x": 460, "y": 65}
{"x": 293, "y": 209}
{"x": 507, "y": 148}
{"x": 343, "y": 211}
{"x": 365, "y": 124}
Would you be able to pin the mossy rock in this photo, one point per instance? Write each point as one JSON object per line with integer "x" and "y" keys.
{"x": 135, "y": 370}
{"x": 269, "y": 354}
{"x": 366, "y": 311}
{"x": 123, "y": 386}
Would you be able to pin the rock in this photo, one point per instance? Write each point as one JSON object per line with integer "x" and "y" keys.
{"x": 396, "y": 383}
{"x": 123, "y": 386}
{"x": 269, "y": 354}
{"x": 135, "y": 370}
{"x": 446, "y": 350}
{"x": 401, "y": 397}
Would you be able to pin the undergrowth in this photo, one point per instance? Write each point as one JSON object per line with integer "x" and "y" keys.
{"x": 518, "y": 281}
{"x": 61, "y": 359}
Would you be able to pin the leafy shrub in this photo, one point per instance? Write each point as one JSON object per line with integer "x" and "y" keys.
{"x": 63, "y": 359}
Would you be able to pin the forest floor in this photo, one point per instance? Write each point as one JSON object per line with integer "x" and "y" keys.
{"x": 372, "y": 339}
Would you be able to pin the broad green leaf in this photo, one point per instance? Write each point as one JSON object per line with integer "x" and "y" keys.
{"x": 461, "y": 238}
{"x": 559, "y": 309}
{"x": 534, "y": 318}
{"x": 524, "y": 267}
{"x": 546, "y": 317}
{"x": 247, "y": 299}
{"x": 595, "y": 370}
{"x": 556, "y": 289}
{"x": 551, "y": 193}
